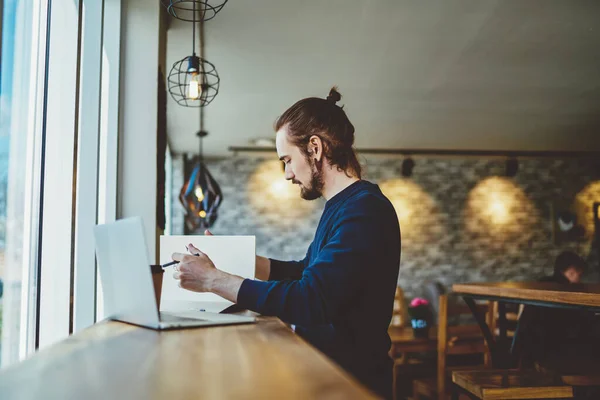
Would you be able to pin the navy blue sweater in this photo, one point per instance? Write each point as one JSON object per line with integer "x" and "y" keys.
{"x": 340, "y": 297}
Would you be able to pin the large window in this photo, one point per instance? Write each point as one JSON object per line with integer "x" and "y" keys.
{"x": 59, "y": 90}
{"x": 21, "y": 72}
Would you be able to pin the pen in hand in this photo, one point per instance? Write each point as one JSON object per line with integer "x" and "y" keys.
{"x": 169, "y": 264}
{"x": 163, "y": 266}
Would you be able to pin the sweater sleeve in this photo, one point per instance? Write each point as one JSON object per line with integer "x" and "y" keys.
{"x": 281, "y": 270}
{"x": 330, "y": 282}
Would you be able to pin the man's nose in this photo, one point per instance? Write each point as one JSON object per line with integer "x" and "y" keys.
{"x": 288, "y": 173}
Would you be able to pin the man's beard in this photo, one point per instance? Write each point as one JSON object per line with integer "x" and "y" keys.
{"x": 314, "y": 190}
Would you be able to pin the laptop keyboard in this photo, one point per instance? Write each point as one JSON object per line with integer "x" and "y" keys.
{"x": 164, "y": 317}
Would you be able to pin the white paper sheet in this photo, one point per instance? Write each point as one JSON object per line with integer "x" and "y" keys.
{"x": 232, "y": 254}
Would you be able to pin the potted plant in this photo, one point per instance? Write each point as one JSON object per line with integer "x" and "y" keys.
{"x": 420, "y": 317}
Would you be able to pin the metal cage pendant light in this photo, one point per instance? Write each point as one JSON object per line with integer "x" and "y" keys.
{"x": 193, "y": 81}
{"x": 185, "y": 10}
{"x": 200, "y": 195}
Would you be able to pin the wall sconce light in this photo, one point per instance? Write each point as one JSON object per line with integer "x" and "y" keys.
{"x": 512, "y": 167}
{"x": 498, "y": 209}
{"x": 407, "y": 167}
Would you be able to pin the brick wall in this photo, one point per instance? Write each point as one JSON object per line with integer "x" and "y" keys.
{"x": 461, "y": 220}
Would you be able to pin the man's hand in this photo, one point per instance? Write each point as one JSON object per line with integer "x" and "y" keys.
{"x": 198, "y": 273}
{"x": 195, "y": 272}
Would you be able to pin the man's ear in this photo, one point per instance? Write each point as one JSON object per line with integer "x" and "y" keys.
{"x": 315, "y": 147}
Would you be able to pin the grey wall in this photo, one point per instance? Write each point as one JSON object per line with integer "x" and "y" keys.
{"x": 460, "y": 220}
{"x": 137, "y": 134}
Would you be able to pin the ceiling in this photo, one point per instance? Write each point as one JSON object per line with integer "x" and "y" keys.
{"x": 452, "y": 74}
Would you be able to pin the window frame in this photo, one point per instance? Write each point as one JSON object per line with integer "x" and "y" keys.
{"x": 108, "y": 150}
{"x": 56, "y": 261}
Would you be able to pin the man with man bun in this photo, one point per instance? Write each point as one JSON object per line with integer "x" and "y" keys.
{"x": 340, "y": 296}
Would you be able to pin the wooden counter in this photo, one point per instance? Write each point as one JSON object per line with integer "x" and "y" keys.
{"x": 113, "y": 360}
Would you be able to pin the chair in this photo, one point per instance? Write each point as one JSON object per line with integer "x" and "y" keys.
{"x": 432, "y": 290}
{"x": 404, "y": 365}
{"x": 400, "y": 312}
{"x": 509, "y": 384}
{"x": 512, "y": 314}
{"x": 544, "y": 382}
{"x": 461, "y": 340}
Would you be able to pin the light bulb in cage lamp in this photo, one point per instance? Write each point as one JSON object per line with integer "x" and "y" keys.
{"x": 193, "y": 70}
{"x": 194, "y": 88}
{"x": 193, "y": 82}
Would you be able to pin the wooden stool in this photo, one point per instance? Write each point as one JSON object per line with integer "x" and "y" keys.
{"x": 509, "y": 384}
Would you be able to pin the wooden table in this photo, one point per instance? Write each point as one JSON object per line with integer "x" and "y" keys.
{"x": 113, "y": 360}
{"x": 545, "y": 294}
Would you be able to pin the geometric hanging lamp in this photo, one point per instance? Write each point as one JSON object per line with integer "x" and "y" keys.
{"x": 200, "y": 195}
{"x": 185, "y": 10}
{"x": 193, "y": 89}
{"x": 194, "y": 81}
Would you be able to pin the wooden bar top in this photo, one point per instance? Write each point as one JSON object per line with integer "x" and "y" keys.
{"x": 574, "y": 294}
{"x": 113, "y": 360}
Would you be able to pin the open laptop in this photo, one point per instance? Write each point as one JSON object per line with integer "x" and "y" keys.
{"x": 127, "y": 281}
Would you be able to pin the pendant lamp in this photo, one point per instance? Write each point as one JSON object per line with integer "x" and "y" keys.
{"x": 185, "y": 10}
{"x": 194, "y": 81}
{"x": 200, "y": 195}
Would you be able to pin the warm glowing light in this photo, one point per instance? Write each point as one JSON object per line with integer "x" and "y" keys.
{"x": 202, "y": 214}
{"x": 283, "y": 189}
{"x": 403, "y": 210}
{"x": 403, "y": 193}
{"x": 496, "y": 198}
{"x": 194, "y": 88}
{"x": 498, "y": 211}
{"x": 199, "y": 194}
{"x": 498, "y": 207}
{"x": 583, "y": 205}
{"x": 274, "y": 197}
{"x": 418, "y": 214}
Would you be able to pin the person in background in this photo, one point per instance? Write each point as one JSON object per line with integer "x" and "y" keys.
{"x": 341, "y": 296}
{"x": 568, "y": 268}
{"x": 545, "y": 331}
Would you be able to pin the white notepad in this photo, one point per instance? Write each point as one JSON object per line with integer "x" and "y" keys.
{"x": 233, "y": 254}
